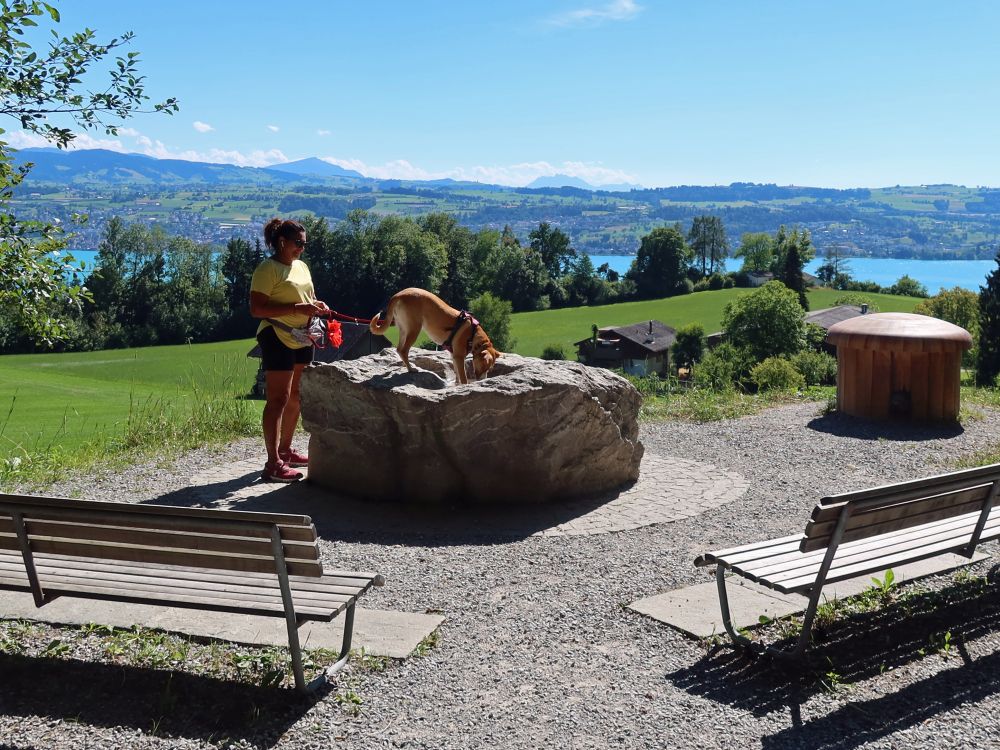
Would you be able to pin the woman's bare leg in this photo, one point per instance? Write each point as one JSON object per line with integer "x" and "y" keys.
{"x": 290, "y": 412}
{"x": 279, "y": 388}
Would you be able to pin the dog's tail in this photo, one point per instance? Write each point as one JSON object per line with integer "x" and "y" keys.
{"x": 380, "y": 325}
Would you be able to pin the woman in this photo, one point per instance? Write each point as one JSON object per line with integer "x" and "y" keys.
{"x": 282, "y": 293}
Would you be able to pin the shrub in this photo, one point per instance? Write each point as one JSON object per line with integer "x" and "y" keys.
{"x": 685, "y": 286}
{"x": 776, "y": 374}
{"x": 723, "y": 367}
{"x": 689, "y": 345}
{"x": 730, "y": 282}
{"x": 701, "y": 286}
{"x": 554, "y": 352}
{"x": 818, "y": 368}
{"x": 815, "y": 336}
{"x": 769, "y": 321}
{"x": 716, "y": 281}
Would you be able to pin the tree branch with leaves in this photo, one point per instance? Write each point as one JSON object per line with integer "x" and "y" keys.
{"x": 45, "y": 92}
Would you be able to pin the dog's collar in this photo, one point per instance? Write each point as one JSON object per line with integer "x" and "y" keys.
{"x": 463, "y": 316}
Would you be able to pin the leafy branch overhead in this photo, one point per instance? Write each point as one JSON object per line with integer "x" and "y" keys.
{"x": 44, "y": 91}
{"x": 36, "y": 86}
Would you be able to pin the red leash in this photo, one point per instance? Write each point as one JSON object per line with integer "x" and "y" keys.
{"x": 349, "y": 318}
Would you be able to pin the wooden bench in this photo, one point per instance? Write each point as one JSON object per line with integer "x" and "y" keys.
{"x": 856, "y": 533}
{"x": 221, "y": 560}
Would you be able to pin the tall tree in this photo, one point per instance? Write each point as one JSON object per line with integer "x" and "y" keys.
{"x": 757, "y": 251}
{"x": 988, "y": 359}
{"x": 708, "y": 242}
{"x": 791, "y": 274}
{"x": 239, "y": 260}
{"x": 43, "y": 91}
{"x": 553, "y": 245}
{"x": 659, "y": 267}
{"x": 456, "y": 287}
{"x": 800, "y": 240}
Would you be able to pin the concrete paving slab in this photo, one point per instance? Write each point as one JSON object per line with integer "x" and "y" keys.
{"x": 379, "y": 632}
{"x": 695, "y": 609}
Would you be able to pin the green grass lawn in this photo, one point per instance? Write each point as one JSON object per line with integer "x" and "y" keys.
{"x": 66, "y": 400}
{"x": 533, "y": 331}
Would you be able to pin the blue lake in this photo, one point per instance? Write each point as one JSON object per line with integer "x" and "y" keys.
{"x": 934, "y": 274}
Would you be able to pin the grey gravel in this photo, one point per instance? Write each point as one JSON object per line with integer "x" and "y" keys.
{"x": 538, "y": 651}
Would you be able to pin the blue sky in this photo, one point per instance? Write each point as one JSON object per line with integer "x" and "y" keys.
{"x": 838, "y": 94}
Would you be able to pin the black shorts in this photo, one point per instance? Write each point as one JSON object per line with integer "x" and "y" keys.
{"x": 277, "y": 356}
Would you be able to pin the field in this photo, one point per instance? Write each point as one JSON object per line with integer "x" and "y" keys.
{"x": 64, "y": 401}
{"x": 535, "y": 330}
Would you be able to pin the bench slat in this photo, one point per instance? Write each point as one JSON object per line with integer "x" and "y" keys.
{"x": 127, "y": 574}
{"x": 790, "y": 552}
{"x": 755, "y": 548}
{"x": 929, "y": 499}
{"x": 140, "y": 509}
{"x": 889, "y": 526}
{"x": 908, "y": 548}
{"x": 168, "y": 556}
{"x": 151, "y": 587}
{"x": 255, "y": 529}
{"x": 335, "y": 577}
{"x": 824, "y": 520}
{"x": 938, "y": 484}
{"x": 167, "y": 597}
{"x": 950, "y": 528}
{"x": 219, "y": 541}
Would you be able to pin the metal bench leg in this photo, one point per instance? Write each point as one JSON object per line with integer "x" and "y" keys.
{"x": 345, "y": 651}
{"x": 727, "y": 620}
{"x": 744, "y": 642}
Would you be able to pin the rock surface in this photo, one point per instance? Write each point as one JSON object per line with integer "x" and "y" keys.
{"x": 533, "y": 431}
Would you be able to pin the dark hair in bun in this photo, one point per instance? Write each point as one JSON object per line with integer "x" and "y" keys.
{"x": 276, "y": 229}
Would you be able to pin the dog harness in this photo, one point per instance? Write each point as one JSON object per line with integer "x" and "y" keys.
{"x": 462, "y": 317}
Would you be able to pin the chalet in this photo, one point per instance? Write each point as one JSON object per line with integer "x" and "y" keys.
{"x": 357, "y": 342}
{"x": 638, "y": 349}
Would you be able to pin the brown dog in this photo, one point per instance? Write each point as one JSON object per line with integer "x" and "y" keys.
{"x": 460, "y": 333}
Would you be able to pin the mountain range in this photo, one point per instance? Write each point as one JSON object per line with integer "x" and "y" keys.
{"x": 91, "y": 167}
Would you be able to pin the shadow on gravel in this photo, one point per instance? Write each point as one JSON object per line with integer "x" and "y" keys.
{"x": 860, "y": 648}
{"x": 165, "y": 704}
{"x": 346, "y": 519}
{"x": 843, "y": 425}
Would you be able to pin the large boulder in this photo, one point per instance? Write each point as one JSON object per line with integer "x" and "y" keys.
{"x": 533, "y": 431}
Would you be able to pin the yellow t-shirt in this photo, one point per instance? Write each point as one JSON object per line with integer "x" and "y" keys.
{"x": 285, "y": 285}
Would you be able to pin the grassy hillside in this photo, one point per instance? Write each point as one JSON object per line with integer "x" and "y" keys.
{"x": 536, "y": 330}
{"x": 66, "y": 400}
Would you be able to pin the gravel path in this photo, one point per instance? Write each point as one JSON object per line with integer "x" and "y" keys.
{"x": 538, "y": 651}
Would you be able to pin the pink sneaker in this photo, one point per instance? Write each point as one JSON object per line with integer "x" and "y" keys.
{"x": 292, "y": 458}
{"x": 279, "y": 471}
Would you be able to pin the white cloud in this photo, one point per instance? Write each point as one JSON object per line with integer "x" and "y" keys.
{"x": 273, "y": 128}
{"x": 202, "y": 127}
{"x": 23, "y": 139}
{"x": 323, "y": 132}
{"x": 617, "y": 10}
{"x": 514, "y": 174}
{"x": 130, "y": 132}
